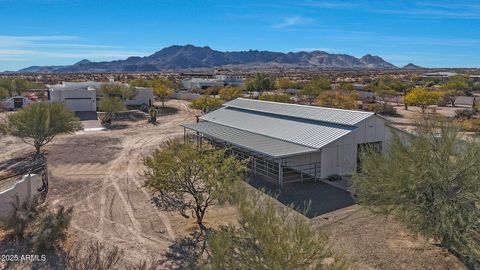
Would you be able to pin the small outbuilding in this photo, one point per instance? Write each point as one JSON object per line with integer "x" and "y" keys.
{"x": 15, "y": 103}
{"x": 289, "y": 142}
{"x": 144, "y": 96}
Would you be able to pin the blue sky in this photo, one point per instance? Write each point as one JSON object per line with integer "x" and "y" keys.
{"x": 54, "y": 32}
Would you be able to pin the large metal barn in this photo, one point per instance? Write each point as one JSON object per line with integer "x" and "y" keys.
{"x": 286, "y": 143}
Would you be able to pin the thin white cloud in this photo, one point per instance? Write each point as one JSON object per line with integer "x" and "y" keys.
{"x": 91, "y": 54}
{"x": 292, "y": 21}
{"x": 287, "y": 22}
{"x": 418, "y": 9}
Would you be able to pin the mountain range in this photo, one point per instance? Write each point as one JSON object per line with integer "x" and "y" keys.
{"x": 192, "y": 57}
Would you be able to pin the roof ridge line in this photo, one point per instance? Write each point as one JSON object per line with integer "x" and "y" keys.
{"x": 297, "y": 117}
{"x": 301, "y": 105}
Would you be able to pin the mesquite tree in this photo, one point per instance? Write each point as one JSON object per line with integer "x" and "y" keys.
{"x": 189, "y": 177}
{"x": 39, "y": 123}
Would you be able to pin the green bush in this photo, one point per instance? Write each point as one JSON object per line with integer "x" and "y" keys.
{"x": 464, "y": 114}
{"x": 381, "y": 109}
{"x": 21, "y": 216}
{"x": 52, "y": 229}
{"x": 431, "y": 184}
{"x": 270, "y": 236}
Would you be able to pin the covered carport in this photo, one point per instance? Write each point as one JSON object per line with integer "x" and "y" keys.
{"x": 287, "y": 143}
{"x": 268, "y": 158}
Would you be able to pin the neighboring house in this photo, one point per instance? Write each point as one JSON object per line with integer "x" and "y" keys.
{"x": 290, "y": 142}
{"x": 76, "y": 96}
{"x": 83, "y": 96}
{"x": 230, "y": 79}
{"x": 15, "y": 103}
{"x": 194, "y": 84}
{"x": 144, "y": 96}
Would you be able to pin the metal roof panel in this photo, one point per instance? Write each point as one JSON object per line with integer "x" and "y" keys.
{"x": 248, "y": 140}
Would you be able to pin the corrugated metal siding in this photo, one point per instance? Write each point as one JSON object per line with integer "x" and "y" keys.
{"x": 258, "y": 143}
{"x": 336, "y": 116}
{"x": 309, "y": 133}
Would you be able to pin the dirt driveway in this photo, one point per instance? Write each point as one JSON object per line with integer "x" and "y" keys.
{"x": 99, "y": 173}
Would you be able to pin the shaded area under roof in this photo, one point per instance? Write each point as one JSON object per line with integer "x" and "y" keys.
{"x": 248, "y": 140}
{"x": 329, "y": 115}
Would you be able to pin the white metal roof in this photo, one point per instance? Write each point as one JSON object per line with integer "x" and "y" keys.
{"x": 248, "y": 140}
{"x": 306, "y": 132}
{"x": 76, "y": 85}
{"x": 329, "y": 115}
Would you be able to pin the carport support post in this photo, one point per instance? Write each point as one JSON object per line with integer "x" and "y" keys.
{"x": 254, "y": 166}
{"x": 280, "y": 174}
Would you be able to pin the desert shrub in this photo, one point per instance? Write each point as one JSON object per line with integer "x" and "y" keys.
{"x": 275, "y": 97}
{"x": 21, "y": 216}
{"x": 338, "y": 99}
{"x": 430, "y": 184}
{"x": 464, "y": 114}
{"x": 269, "y": 237}
{"x": 381, "y": 109}
{"x": 93, "y": 256}
{"x": 52, "y": 229}
{"x": 470, "y": 125}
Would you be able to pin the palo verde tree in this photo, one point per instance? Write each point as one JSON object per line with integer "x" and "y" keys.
{"x": 269, "y": 236}
{"x": 314, "y": 88}
{"x": 186, "y": 177}
{"x": 422, "y": 97}
{"x": 276, "y": 97}
{"x": 338, "y": 99}
{"x": 110, "y": 106}
{"x": 113, "y": 97}
{"x": 206, "y": 103}
{"x": 385, "y": 87}
{"x": 431, "y": 184}
{"x": 230, "y": 93}
{"x": 285, "y": 83}
{"x": 162, "y": 88}
{"x": 39, "y": 123}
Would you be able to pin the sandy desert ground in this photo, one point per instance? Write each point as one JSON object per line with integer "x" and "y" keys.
{"x": 99, "y": 174}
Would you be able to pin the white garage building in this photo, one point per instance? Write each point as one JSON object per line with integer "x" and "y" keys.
{"x": 83, "y": 96}
{"x": 76, "y": 96}
{"x": 289, "y": 142}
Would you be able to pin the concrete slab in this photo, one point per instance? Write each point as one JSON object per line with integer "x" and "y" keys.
{"x": 89, "y": 121}
{"x": 323, "y": 198}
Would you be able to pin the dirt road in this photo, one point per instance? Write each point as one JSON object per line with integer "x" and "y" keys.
{"x": 100, "y": 175}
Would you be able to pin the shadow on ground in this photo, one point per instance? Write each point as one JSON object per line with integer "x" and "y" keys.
{"x": 85, "y": 116}
{"x": 323, "y": 198}
{"x": 163, "y": 111}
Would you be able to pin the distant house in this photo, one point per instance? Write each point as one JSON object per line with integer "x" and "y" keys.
{"x": 289, "y": 142}
{"x": 15, "y": 103}
{"x": 83, "y": 96}
{"x": 196, "y": 84}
